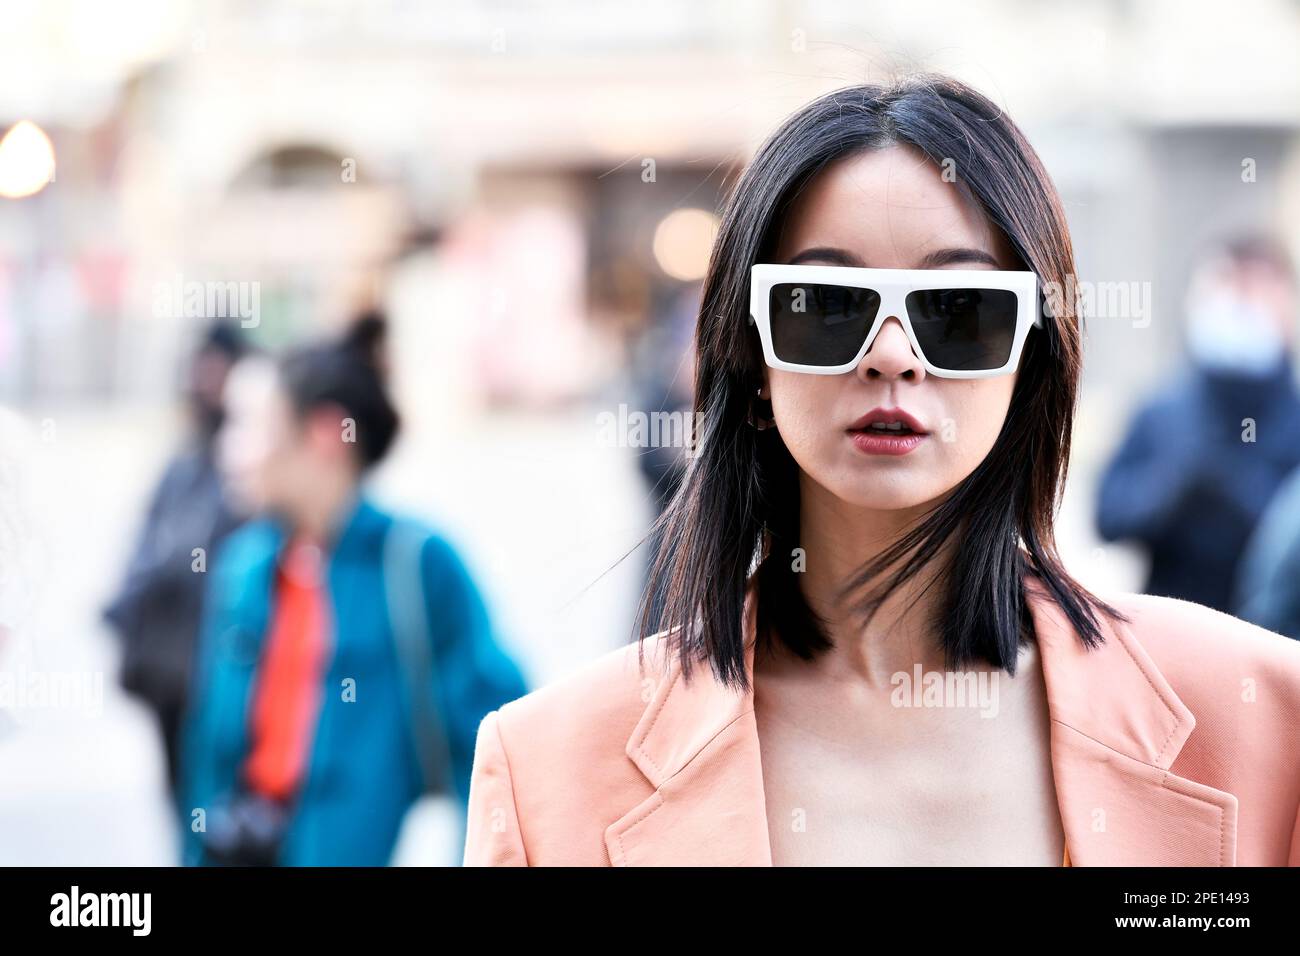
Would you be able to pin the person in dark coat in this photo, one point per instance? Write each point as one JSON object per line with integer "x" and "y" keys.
{"x": 157, "y": 610}
{"x": 1204, "y": 457}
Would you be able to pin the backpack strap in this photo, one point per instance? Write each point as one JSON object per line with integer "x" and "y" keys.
{"x": 408, "y": 616}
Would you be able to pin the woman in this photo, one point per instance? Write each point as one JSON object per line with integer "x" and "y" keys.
{"x": 346, "y": 657}
{"x": 870, "y": 651}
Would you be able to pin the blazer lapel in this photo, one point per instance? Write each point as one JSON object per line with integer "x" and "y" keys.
{"x": 697, "y": 743}
{"x": 1116, "y": 728}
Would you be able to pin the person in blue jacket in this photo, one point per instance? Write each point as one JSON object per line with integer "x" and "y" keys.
{"x": 346, "y": 656}
{"x": 1203, "y": 458}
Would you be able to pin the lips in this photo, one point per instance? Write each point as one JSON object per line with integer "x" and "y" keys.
{"x": 888, "y": 421}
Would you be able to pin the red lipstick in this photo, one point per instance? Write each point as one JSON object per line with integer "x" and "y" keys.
{"x": 887, "y": 431}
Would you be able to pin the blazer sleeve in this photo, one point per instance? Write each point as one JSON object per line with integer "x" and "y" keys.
{"x": 493, "y": 837}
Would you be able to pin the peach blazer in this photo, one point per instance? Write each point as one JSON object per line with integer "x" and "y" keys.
{"x": 1176, "y": 743}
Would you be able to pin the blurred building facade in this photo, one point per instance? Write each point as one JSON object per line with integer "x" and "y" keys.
{"x": 295, "y": 144}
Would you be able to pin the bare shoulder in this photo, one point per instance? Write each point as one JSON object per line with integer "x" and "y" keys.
{"x": 1193, "y": 644}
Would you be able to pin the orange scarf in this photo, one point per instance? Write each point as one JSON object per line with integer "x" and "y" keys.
{"x": 288, "y": 689}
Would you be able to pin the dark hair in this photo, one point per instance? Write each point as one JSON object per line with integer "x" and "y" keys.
{"x": 348, "y": 373}
{"x": 224, "y": 337}
{"x": 736, "y": 513}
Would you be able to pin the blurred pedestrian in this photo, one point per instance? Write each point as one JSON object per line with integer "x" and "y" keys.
{"x": 661, "y": 372}
{"x": 1203, "y": 458}
{"x": 157, "y": 609}
{"x": 1268, "y": 582}
{"x": 347, "y": 656}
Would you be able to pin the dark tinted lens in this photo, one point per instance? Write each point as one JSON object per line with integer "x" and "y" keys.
{"x": 815, "y": 324}
{"x": 964, "y": 330}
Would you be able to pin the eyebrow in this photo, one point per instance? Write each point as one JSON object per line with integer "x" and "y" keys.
{"x": 933, "y": 260}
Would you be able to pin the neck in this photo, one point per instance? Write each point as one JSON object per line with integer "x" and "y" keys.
{"x": 324, "y": 504}
{"x": 840, "y": 538}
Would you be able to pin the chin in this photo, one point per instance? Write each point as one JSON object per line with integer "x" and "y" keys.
{"x": 883, "y": 499}
{"x": 896, "y": 492}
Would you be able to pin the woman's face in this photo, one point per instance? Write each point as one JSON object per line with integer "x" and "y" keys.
{"x": 888, "y": 208}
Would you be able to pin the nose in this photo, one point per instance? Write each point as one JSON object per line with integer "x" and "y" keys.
{"x": 891, "y": 355}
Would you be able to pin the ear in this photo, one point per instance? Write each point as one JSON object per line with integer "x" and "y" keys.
{"x": 760, "y": 406}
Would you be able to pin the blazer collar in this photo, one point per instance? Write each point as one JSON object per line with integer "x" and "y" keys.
{"x": 1116, "y": 729}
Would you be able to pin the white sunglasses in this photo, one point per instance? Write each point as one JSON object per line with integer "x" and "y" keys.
{"x": 962, "y": 323}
